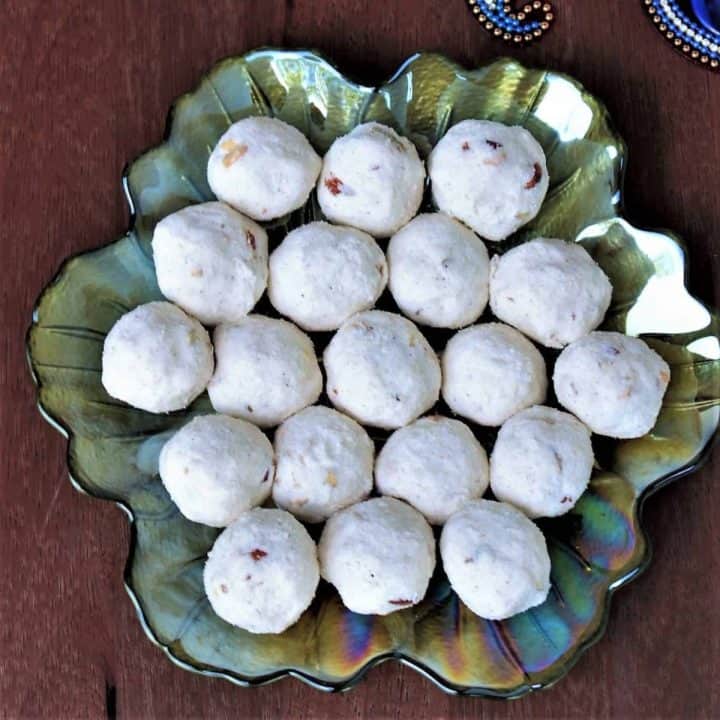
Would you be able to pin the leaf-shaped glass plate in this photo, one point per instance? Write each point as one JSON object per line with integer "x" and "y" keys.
{"x": 595, "y": 549}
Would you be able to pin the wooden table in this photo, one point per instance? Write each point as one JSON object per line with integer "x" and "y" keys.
{"x": 84, "y": 87}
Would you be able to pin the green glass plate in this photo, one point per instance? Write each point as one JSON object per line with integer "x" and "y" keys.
{"x": 595, "y": 549}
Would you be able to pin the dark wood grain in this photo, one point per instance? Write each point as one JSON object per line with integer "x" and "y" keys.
{"x": 84, "y": 87}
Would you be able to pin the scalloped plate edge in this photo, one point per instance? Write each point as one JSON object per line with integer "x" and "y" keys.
{"x": 343, "y": 685}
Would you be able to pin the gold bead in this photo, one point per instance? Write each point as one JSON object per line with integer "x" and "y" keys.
{"x": 651, "y": 10}
{"x": 507, "y": 36}
{"x": 471, "y": 2}
{"x": 670, "y": 35}
{"x": 521, "y": 16}
{"x": 677, "y": 42}
{"x": 547, "y": 7}
{"x": 537, "y": 32}
{"x": 544, "y": 25}
{"x": 528, "y": 37}
{"x": 704, "y": 59}
{"x": 488, "y": 25}
{"x": 482, "y": 18}
{"x": 537, "y": 5}
{"x": 527, "y": 8}
{"x": 714, "y": 63}
{"x": 497, "y": 32}
{"x": 663, "y": 27}
{"x": 695, "y": 54}
{"x": 517, "y": 38}
{"x": 686, "y": 48}
{"x": 656, "y": 19}
{"x": 549, "y": 17}
{"x": 476, "y": 10}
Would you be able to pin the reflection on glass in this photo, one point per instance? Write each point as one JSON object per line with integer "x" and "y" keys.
{"x": 663, "y": 305}
{"x": 708, "y": 347}
{"x": 562, "y": 108}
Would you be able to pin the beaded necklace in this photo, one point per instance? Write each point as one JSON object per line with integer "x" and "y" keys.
{"x": 522, "y": 26}
{"x": 688, "y": 36}
{"x": 697, "y": 40}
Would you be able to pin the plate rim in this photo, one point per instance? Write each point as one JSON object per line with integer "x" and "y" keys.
{"x": 563, "y": 668}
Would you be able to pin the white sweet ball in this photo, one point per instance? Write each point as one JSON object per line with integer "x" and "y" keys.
{"x": 266, "y": 370}
{"x": 262, "y": 571}
{"x": 379, "y": 554}
{"x": 541, "y": 462}
{"x": 438, "y": 271}
{"x": 491, "y": 176}
{"x": 371, "y": 179}
{"x": 495, "y": 559}
{"x": 551, "y": 290}
{"x": 614, "y": 383}
{"x": 321, "y": 274}
{"x": 217, "y": 467}
{"x": 491, "y": 371}
{"x": 324, "y": 463}
{"x": 156, "y": 358}
{"x": 435, "y": 464}
{"x": 211, "y": 261}
{"x": 263, "y": 167}
{"x": 381, "y": 370}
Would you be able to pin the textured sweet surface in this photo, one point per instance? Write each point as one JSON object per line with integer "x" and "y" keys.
{"x": 614, "y": 383}
{"x": 496, "y": 559}
{"x": 324, "y": 462}
{"x": 435, "y": 464}
{"x": 381, "y": 370}
{"x": 262, "y": 571}
{"x": 541, "y": 461}
{"x": 211, "y": 261}
{"x": 490, "y": 371}
{"x": 371, "y": 179}
{"x": 217, "y": 467}
{"x": 438, "y": 271}
{"x": 263, "y": 167}
{"x": 549, "y": 289}
{"x": 156, "y": 358}
{"x": 265, "y": 371}
{"x": 321, "y": 274}
{"x": 491, "y": 176}
{"x": 379, "y": 555}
